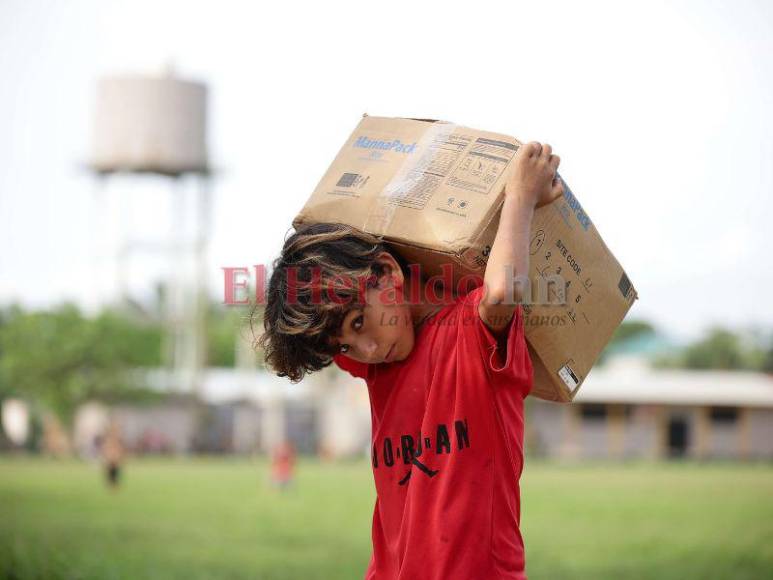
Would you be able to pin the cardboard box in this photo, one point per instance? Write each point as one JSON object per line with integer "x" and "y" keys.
{"x": 434, "y": 190}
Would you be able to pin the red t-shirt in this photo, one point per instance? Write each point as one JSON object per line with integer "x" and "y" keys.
{"x": 447, "y": 450}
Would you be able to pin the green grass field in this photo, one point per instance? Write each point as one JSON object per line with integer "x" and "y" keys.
{"x": 202, "y": 518}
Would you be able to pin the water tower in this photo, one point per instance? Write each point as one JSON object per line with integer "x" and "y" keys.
{"x": 157, "y": 126}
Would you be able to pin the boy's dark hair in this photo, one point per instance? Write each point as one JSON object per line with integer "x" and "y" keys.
{"x": 298, "y": 325}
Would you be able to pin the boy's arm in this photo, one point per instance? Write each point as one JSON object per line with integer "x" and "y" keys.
{"x": 532, "y": 184}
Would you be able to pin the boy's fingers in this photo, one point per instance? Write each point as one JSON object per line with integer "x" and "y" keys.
{"x": 532, "y": 149}
{"x": 547, "y": 151}
{"x": 554, "y": 162}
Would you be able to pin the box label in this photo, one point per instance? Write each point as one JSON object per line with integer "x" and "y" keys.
{"x": 570, "y": 379}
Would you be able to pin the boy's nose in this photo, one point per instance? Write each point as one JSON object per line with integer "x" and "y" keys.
{"x": 367, "y": 346}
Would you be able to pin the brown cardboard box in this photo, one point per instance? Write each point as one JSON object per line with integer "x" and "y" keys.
{"x": 434, "y": 191}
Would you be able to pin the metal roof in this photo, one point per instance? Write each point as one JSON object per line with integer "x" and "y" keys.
{"x": 677, "y": 387}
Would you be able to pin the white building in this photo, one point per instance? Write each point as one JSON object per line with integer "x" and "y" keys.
{"x": 625, "y": 409}
{"x": 630, "y": 410}
{"x": 240, "y": 411}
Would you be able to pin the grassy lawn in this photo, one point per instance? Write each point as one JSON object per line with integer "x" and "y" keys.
{"x": 220, "y": 519}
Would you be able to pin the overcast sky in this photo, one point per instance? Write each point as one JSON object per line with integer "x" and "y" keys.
{"x": 661, "y": 113}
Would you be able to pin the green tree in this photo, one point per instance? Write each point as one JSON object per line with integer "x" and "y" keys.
{"x": 721, "y": 349}
{"x": 767, "y": 364}
{"x": 60, "y": 358}
{"x": 225, "y": 327}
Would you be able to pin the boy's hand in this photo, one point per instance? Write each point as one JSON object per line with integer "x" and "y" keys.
{"x": 534, "y": 180}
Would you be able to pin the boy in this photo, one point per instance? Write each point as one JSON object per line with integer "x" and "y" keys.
{"x": 112, "y": 455}
{"x": 446, "y": 382}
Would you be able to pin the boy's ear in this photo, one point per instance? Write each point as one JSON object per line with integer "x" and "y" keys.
{"x": 391, "y": 269}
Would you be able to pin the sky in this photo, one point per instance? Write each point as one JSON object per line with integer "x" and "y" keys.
{"x": 662, "y": 113}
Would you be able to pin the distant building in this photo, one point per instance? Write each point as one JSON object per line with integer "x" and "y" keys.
{"x": 328, "y": 413}
{"x": 627, "y": 409}
{"x": 239, "y": 411}
{"x": 233, "y": 427}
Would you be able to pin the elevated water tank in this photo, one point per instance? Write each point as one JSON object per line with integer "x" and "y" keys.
{"x": 147, "y": 124}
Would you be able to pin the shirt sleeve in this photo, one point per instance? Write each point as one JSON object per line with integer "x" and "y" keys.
{"x": 353, "y": 367}
{"x": 508, "y": 358}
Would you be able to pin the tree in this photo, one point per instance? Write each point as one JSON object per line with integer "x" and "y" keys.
{"x": 227, "y": 325}
{"x": 60, "y": 358}
{"x": 767, "y": 360}
{"x": 222, "y": 331}
{"x": 721, "y": 349}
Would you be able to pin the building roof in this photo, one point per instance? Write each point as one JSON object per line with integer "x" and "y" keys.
{"x": 626, "y": 380}
{"x": 224, "y": 385}
{"x": 641, "y": 385}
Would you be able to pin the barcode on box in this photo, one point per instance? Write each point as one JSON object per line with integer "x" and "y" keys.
{"x": 570, "y": 379}
{"x": 348, "y": 179}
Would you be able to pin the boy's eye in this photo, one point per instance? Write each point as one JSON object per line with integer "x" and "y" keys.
{"x": 356, "y": 325}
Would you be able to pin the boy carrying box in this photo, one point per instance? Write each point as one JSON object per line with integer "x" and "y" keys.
{"x": 446, "y": 377}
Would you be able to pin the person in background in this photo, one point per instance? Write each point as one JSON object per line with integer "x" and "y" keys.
{"x": 112, "y": 455}
{"x": 283, "y": 466}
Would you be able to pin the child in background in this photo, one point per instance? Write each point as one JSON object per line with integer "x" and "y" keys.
{"x": 283, "y": 466}
{"x": 112, "y": 455}
{"x": 446, "y": 376}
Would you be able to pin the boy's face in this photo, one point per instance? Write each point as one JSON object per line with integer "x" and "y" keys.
{"x": 381, "y": 330}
